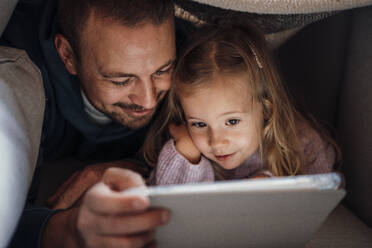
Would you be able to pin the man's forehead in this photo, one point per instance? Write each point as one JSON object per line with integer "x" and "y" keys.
{"x": 135, "y": 58}
{"x": 100, "y": 29}
{"x": 146, "y": 47}
{"x": 96, "y": 19}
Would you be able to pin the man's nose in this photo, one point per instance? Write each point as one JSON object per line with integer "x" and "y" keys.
{"x": 145, "y": 95}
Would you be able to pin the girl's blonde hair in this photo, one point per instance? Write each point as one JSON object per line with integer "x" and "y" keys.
{"x": 229, "y": 50}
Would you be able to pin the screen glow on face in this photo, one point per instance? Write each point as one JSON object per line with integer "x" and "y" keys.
{"x": 224, "y": 122}
{"x": 126, "y": 71}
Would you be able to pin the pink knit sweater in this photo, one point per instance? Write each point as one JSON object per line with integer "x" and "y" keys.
{"x": 173, "y": 168}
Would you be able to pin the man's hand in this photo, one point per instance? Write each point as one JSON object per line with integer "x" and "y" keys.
{"x": 107, "y": 216}
{"x": 184, "y": 144}
{"x": 72, "y": 190}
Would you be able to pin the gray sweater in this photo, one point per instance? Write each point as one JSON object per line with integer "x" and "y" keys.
{"x": 173, "y": 168}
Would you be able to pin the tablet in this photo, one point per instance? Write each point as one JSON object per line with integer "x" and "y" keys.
{"x": 265, "y": 212}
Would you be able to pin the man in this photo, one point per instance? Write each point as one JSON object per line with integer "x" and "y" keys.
{"x": 105, "y": 66}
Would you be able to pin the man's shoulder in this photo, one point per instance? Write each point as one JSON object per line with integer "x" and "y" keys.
{"x": 16, "y": 62}
{"x": 19, "y": 74}
{"x": 10, "y": 54}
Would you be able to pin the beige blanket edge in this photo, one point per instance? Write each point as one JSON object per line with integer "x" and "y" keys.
{"x": 286, "y": 6}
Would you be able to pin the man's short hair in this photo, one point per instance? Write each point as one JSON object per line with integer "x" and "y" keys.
{"x": 73, "y": 14}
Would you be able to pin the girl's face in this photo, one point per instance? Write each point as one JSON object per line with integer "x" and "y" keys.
{"x": 224, "y": 121}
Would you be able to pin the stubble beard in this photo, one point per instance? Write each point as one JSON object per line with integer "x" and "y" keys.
{"x": 130, "y": 121}
{"x": 123, "y": 118}
{"x": 127, "y": 120}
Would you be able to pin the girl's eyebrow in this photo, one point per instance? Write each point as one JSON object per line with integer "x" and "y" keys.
{"x": 232, "y": 112}
{"x": 192, "y": 118}
{"x": 221, "y": 115}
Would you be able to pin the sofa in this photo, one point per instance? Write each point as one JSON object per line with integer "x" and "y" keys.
{"x": 328, "y": 68}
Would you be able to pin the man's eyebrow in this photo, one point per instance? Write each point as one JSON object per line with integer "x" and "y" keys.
{"x": 170, "y": 62}
{"x": 116, "y": 74}
{"x": 121, "y": 74}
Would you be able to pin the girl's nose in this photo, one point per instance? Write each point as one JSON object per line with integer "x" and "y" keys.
{"x": 217, "y": 139}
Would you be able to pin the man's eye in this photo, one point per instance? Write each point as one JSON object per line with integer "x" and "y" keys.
{"x": 232, "y": 122}
{"x": 159, "y": 73}
{"x": 121, "y": 83}
{"x": 198, "y": 124}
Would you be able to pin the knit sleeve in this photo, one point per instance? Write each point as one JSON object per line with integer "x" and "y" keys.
{"x": 319, "y": 155}
{"x": 173, "y": 168}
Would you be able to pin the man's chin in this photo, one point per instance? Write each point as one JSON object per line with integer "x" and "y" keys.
{"x": 134, "y": 122}
{"x": 138, "y": 123}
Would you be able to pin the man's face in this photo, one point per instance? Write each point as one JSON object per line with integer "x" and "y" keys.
{"x": 126, "y": 71}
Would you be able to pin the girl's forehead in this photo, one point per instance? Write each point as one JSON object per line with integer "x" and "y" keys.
{"x": 221, "y": 93}
{"x": 239, "y": 83}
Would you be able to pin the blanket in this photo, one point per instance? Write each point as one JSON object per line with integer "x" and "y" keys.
{"x": 286, "y": 6}
{"x": 277, "y": 19}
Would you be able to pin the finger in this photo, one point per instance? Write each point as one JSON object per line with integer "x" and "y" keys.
{"x": 75, "y": 187}
{"x": 132, "y": 241}
{"x": 106, "y": 197}
{"x": 131, "y": 224}
{"x": 118, "y": 179}
{"x": 101, "y": 200}
{"x": 89, "y": 177}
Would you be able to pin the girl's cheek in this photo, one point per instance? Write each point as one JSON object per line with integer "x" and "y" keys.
{"x": 199, "y": 141}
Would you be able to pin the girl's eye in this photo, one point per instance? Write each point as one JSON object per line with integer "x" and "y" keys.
{"x": 198, "y": 124}
{"x": 232, "y": 122}
{"x": 121, "y": 83}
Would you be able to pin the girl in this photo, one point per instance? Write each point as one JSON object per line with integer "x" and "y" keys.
{"x": 228, "y": 116}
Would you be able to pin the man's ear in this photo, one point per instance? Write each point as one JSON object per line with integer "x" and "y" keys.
{"x": 66, "y": 53}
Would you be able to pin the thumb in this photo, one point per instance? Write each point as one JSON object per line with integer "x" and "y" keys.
{"x": 107, "y": 197}
{"x": 118, "y": 179}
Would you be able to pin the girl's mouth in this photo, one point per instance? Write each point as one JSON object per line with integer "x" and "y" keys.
{"x": 224, "y": 157}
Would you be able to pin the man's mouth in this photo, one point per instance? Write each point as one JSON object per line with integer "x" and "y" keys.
{"x": 224, "y": 157}
{"x": 139, "y": 113}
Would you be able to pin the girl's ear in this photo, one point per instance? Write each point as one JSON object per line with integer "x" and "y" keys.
{"x": 66, "y": 53}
